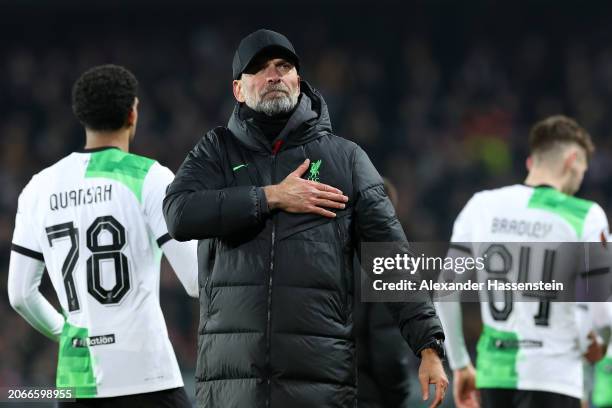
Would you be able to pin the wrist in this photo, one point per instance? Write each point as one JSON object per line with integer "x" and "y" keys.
{"x": 435, "y": 346}
{"x": 463, "y": 369}
{"x": 271, "y": 193}
{"x": 429, "y": 352}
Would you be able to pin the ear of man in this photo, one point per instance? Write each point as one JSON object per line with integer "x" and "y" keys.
{"x": 571, "y": 156}
{"x": 529, "y": 163}
{"x": 133, "y": 115}
{"x": 237, "y": 88}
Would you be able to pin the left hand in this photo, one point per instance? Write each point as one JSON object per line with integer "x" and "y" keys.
{"x": 431, "y": 371}
{"x": 465, "y": 393}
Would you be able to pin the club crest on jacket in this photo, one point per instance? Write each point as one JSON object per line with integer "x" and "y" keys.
{"x": 313, "y": 174}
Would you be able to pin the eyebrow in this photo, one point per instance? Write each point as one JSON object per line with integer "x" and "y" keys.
{"x": 256, "y": 65}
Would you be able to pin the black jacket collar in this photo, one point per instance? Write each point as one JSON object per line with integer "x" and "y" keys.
{"x": 310, "y": 120}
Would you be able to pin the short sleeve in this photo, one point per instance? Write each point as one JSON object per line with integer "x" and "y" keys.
{"x": 24, "y": 239}
{"x": 595, "y": 261}
{"x": 595, "y": 225}
{"x": 153, "y": 192}
{"x": 602, "y": 314}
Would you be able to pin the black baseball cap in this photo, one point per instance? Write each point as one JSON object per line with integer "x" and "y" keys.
{"x": 257, "y": 42}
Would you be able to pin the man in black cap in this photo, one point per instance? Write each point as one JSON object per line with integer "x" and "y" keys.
{"x": 280, "y": 204}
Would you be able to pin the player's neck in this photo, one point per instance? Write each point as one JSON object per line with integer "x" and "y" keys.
{"x": 537, "y": 178}
{"x": 119, "y": 139}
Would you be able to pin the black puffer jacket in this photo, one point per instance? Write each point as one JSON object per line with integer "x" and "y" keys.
{"x": 383, "y": 357}
{"x": 276, "y": 320}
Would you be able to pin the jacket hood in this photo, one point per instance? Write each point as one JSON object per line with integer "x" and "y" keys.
{"x": 310, "y": 120}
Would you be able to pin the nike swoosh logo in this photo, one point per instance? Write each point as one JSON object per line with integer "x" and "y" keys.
{"x": 239, "y": 167}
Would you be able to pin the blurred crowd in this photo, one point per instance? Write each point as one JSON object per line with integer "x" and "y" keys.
{"x": 441, "y": 119}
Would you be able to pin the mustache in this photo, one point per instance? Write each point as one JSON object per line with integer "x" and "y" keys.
{"x": 276, "y": 88}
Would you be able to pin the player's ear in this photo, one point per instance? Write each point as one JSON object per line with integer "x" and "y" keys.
{"x": 237, "y": 88}
{"x": 529, "y": 163}
{"x": 570, "y": 159}
{"x": 133, "y": 115}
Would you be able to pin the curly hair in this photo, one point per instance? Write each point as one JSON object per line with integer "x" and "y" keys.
{"x": 103, "y": 96}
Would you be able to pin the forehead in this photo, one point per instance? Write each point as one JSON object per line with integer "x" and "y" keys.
{"x": 265, "y": 59}
{"x": 271, "y": 54}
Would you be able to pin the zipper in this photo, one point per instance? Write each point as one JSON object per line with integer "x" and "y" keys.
{"x": 212, "y": 255}
{"x": 343, "y": 273}
{"x": 207, "y": 294}
{"x": 270, "y": 278}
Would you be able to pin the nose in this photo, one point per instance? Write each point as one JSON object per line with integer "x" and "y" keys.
{"x": 272, "y": 74}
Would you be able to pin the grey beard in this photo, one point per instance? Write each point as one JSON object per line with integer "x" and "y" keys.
{"x": 274, "y": 106}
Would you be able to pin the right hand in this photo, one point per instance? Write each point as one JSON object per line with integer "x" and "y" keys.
{"x": 464, "y": 387}
{"x": 296, "y": 195}
{"x": 596, "y": 350}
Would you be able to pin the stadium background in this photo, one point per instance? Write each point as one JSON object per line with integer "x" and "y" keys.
{"x": 441, "y": 95}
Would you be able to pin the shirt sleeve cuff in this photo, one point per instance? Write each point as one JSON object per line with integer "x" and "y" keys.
{"x": 262, "y": 203}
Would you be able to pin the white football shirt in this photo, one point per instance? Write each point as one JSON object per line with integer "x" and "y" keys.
{"x": 95, "y": 219}
{"x": 532, "y": 345}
